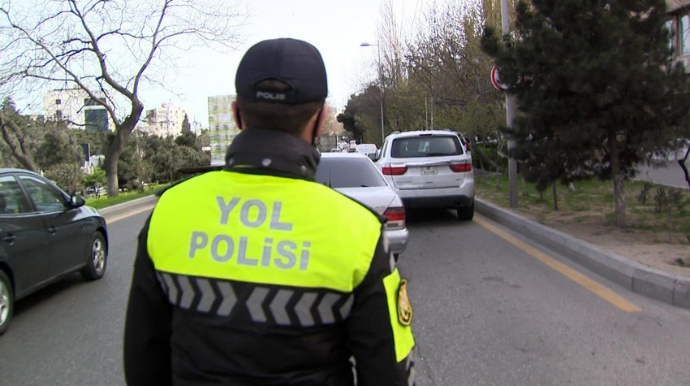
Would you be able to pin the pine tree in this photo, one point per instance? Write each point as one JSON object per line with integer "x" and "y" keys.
{"x": 597, "y": 89}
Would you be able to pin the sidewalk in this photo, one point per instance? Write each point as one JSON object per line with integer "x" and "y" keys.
{"x": 656, "y": 284}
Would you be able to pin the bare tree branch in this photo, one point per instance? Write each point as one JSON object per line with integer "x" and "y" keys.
{"x": 109, "y": 49}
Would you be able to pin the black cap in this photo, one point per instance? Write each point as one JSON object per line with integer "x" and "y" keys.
{"x": 293, "y": 62}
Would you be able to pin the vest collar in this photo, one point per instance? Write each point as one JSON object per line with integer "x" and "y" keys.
{"x": 272, "y": 150}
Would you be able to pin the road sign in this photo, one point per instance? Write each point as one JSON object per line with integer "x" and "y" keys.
{"x": 496, "y": 80}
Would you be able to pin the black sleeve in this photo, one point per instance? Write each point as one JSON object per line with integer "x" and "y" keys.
{"x": 370, "y": 333}
{"x": 147, "y": 355}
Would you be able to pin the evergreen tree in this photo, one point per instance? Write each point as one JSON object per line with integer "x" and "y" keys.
{"x": 187, "y": 136}
{"x": 597, "y": 89}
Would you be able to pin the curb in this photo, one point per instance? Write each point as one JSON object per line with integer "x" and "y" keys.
{"x": 653, "y": 283}
{"x": 129, "y": 204}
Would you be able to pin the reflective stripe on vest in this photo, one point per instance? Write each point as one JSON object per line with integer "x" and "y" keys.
{"x": 266, "y": 304}
{"x": 262, "y": 229}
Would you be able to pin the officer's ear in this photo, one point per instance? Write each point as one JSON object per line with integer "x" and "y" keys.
{"x": 323, "y": 114}
{"x": 236, "y": 116}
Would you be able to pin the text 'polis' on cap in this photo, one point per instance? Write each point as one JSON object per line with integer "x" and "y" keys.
{"x": 294, "y": 62}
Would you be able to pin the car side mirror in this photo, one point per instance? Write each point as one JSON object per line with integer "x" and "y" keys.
{"x": 75, "y": 201}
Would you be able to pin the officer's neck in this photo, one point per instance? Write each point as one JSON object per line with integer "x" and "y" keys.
{"x": 272, "y": 150}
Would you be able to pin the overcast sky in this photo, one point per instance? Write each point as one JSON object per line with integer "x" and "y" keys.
{"x": 336, "y": 28}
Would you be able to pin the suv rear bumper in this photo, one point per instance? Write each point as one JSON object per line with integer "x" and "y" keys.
{"x": 455, "y": 201}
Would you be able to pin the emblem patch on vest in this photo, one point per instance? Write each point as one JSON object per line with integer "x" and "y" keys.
{"x": 405, "y": 311}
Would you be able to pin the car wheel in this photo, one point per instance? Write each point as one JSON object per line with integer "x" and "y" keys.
{"x": 98, "y": 257}
{"x": 466, "y": 213}
{"x": 6, "y": 302}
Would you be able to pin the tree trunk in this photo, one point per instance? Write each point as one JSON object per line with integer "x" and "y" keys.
{"x": 11, "y": 133}
{"x": 554, "y": 193}
{"x": 112, "y": 153}
{"x": 482, "y": 157}
{"x": 618, "y": 181}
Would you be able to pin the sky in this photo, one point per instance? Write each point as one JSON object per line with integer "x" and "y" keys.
{"x": 336, "y": 28}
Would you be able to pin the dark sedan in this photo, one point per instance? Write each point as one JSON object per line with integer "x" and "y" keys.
{"x": 46, "y": 235}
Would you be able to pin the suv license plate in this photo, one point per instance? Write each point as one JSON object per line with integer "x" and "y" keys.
{"x": 428, "y": 170}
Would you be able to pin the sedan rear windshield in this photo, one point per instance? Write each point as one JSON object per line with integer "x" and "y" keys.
{"x": 426, "y": 146}
{"x": 341, "y": 172}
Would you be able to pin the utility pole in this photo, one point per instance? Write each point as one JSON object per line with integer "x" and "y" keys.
{"x": 510, "y": 116}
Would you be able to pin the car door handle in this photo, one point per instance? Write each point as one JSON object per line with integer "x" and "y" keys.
{"x": 10, "y": 238}
{"x": 52, "y": 229}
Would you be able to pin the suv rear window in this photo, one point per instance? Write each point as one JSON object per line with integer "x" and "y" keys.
{"x": 427, "y": 146}
{"x": 341, "y": 172}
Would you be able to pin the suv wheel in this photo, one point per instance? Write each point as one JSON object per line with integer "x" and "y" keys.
{"x": 466, "y": 213}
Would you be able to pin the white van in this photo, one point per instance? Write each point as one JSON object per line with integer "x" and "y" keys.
{"x": 368, "y": 149}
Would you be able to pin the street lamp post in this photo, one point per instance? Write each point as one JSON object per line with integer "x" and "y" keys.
{"x": 378, "y": 49}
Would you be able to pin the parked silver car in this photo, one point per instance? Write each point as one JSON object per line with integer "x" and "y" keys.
{"x": 429, "y": 169}
{"x": 356, "y": 176}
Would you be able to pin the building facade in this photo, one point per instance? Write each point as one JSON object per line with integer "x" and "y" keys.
{"x": 679, "y": 24}
{"x": 164, "y": 121}
{"x": 221, "y": 126}
{"x": 77, "y": 109}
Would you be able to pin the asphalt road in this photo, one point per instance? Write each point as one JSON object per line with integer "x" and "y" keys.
{"x": 487, "y": 312}
{"x": 666, "y": 173}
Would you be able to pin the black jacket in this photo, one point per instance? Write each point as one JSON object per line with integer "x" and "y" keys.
{"x": 169, "y": 344}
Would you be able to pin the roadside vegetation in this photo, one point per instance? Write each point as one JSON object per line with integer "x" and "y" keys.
{"x": 104, "y": 201}
{"x": 51, "y": 148}
{"x": 86, "y": 45}
{"x": 660, "y": 210}
{"x": 589, "y": 106}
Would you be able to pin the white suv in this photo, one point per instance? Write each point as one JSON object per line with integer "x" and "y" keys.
{"x": 429, "y": 169}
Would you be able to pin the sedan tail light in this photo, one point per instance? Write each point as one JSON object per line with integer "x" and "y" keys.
{"x": 396, "y": 217}
{"x": 394, "y": 170}
{"x": 460, "y": 167}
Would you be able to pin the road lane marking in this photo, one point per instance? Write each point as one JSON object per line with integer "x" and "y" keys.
{"x": 128, "y": 214}
{"x": 598, "y": 289}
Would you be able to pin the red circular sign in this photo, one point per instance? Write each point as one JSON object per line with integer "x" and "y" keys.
{"x": 496, "y": 80}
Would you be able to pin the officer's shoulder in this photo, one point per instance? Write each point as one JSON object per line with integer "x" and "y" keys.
{"x": 181, "y": 181}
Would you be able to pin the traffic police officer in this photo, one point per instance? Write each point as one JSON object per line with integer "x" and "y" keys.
{"x": 255, "y": 274}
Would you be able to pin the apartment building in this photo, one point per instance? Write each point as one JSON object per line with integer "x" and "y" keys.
{"x": 679, "y": 24}
{"x": 77, "y": 109}
{"x": 164, "y": 121}
{"x": 221, "y": 125}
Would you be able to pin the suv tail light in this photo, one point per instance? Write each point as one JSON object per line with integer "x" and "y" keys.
{"x": 394, "y": 170}
{"x": 460, "y": 167}
{"x": 396, "y": 217}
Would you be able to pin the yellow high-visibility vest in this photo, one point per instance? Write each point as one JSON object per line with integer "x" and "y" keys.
{"x": 268, "y": 230}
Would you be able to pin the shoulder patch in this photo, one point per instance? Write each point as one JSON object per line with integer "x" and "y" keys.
{"x": 405, "y": 311}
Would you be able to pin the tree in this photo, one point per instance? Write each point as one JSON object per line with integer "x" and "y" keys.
{"x": 96, "y": 179}
{"x": 187, "y": 137}
{"x": 361, "y": 117}
{"x": 19, "y": 135}
{"x": 68, "y": 176}
{"x": 58, "y": 147}
{"x": 331, "y": 126}
{"x": 597, "y": 88}
{"x": 109, "y": 49}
